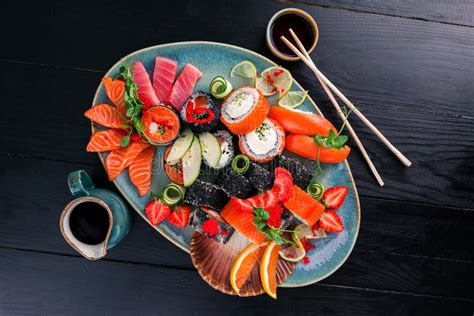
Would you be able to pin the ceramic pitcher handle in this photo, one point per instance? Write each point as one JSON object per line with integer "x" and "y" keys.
{"x": 80, "y": 183}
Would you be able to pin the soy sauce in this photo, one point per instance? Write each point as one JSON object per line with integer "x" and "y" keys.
{"x": 89, "y": 223}
{"x": 299, "y": 25}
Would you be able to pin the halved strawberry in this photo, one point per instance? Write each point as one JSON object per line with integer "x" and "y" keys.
{"x": 180, "y": 216}
{"x": 270, "y": 199}
{"x": 283, "y": 184}
{"x": 331, "y": 222}
{"x": 275, "y": 213}
{"x": 157, "y": 211}
{"x": 334, "y": 197}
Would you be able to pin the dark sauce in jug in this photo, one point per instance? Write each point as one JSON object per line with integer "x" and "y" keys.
{"x": 299, "y": 25}
{"x": 89, "y": 223}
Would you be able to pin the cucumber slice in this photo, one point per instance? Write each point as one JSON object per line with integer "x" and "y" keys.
{"x": 173, "y": 194}
{"x": 180, "y": 147}
{"x": 211, "y": 149}
{"x": 192, "y": 162}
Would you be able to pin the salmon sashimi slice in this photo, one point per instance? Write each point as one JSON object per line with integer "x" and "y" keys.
{"x": 105, "y": 140}
{"x": 299, "y": 122}
{"x": 106, "y": 115}
{"x": 118, "y": 160}
{"x": 239, "y": 214}
{"x": 163, "y": 77}
{"x": 115, "y": 90}
{"x": 140, "y": 170}
{"x": 146, "y": 93}
{"x": 304, "y": 207}
{"x": 183, "y": 86}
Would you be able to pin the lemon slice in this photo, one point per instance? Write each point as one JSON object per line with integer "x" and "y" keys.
{"x": 280, "y": 78}
{"x": 265, "y": 88}
{"x": 293, "y": 99}
{"x": 293, "y": 253}
{"x": 245, "y": 69}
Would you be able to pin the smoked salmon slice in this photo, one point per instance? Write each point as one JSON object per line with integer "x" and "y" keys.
{"x": 183, "y": 86}
{"x": 299, "y": 122}
{"x": 105, "y": 140}
{"x": 140, "y": 170}
{"x": 163, "y": 77}
{"x": 118, "y": 160}
{"x": 304, "y": 207}
{"x": 115, "y": 90}
{"x": 146, "y": 93}
{"x": 105, "y": 115}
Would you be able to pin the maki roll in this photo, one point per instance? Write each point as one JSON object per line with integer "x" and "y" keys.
{"x": 244, "y": 110}
{"x": 264, "y": 143}
{"x": 235, "y": 184}
{"x": 259, "y": 177}
{"x": 205, "y": 194}
{"x": 301, "y": 176}
{"x": 200, "y": 112}
{"x": 210, "y": 224}
{"x": 227, "y": 148}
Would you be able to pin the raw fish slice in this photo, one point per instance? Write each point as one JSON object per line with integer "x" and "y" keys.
{"x": 105, "y": 140}
{"x": 214, "y": 261}
{"x": 115, "y": 90}
{"x": 146, "y": 93}
{"x": 183, "y": 87}
{"x": 140, "y": 170}
{"x": 118, "y": 160}
{"x": 304, "y": 207}
{"x": 163, "y": 77}
{"x": 105, "y": 115}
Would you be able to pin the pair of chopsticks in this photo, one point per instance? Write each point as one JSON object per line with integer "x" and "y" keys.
{"x": 303, "y": 54}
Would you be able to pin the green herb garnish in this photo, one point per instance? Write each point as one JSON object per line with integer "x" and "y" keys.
{"x": 260, "y": 221}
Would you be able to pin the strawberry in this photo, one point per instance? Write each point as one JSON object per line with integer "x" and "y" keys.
{"x": 157, "y": 211}
{"x": 283, "y": 184}
{"x": 334, "y": 197}
{"x": 270, "y": 199}
{"x": 275, "y": 213}
{"x": 331, "y": 222}
{"x": 180, "y": 216}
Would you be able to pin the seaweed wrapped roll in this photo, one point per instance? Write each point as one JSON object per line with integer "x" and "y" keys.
{"x": 301, "y": 176}
{"x": 260, "y": 177}
{"x": 227, "y": 148}
{"x": 235, "y": 184}
{"x": 200, "y": 112}
{"x": 205, "y": 194}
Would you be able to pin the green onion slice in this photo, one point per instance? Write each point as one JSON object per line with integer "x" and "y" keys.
{"x": 316, "y": 190}
{"x": 220, "y": 87}
{"x": 240, "y": 164}
{"x": 173, "y": 194}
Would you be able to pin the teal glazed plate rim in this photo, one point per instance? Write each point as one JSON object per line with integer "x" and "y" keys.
{"x": 217, "y": 59}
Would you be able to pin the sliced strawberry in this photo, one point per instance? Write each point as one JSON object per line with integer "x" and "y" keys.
{"x": 334, "y": 197}
{"x": 180, "y": 216}
{"x": 275, "y": 212}
{"x": 331, "y": 222}
{"x": 255, "y": 201}
{"x": 157, "y": 211}
{"x": 283, "y": 184}
{"x": 270, "y": 199}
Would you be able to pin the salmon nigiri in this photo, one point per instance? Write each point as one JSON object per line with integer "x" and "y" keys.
{"x": 115, "y": 90}
{"x": 105, "y": 140}
{"x": 299, "y": 122}
{"x": 146, "y": 93}
{"x": 118, "y": 160}
{"x": 304, "y": 207}
{"x": 140, "y": 170}
{"x": 106, "y": 115}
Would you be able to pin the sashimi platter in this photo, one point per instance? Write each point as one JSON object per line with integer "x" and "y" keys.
{"x": 225, "y": 154}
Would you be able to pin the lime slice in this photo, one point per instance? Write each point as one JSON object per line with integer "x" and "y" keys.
{"x": 245, "y": 69}
{"x": 265, "y": 88}
{"x": 280, "y": 78}
{"x": 293, "y": 253}
{"x": 293, "y": 99}
{"x": 304, "y": 230}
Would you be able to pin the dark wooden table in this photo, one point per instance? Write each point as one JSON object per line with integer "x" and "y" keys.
{"x": 409, "y": 66}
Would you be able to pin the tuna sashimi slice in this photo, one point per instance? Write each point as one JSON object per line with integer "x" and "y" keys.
{"x": 163, "y": 77}
{"x": 183, "y": 87}
{"x": 146, "y": 93}
{"x": 118, "y": 160}
{"x": 140, "y": 170}
{"x": 105, "y": 140}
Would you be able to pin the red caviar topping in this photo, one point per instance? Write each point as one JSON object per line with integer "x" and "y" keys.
{"x": 275, "y": 89}
{"x": 211, "y": 227}
{"x": 270, "y": 80}
{"x": 306, "y": 260}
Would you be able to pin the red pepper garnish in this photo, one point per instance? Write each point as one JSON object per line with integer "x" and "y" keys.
{"x": 306, "y": 260}
{"x": 210, "y": 227}
{"x": 275, "y": 89}
{"x": 307, "y": 245}
{"x": 270, "y": 80}
{"x": 192, "y": 112}
{"x": 277, "y": 73}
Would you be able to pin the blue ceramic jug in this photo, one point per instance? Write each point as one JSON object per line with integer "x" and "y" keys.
{"x": 83, "y": 190}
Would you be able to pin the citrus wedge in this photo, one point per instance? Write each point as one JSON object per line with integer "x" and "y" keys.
{"x": 265, "y": 88}
{"x": 293, "y": 253}
{"x": 245, "y": 69}
{"x": 243, "y": 265}
{"x": 293, "y": 99}
{"x": 280, "y": 78}
{"x": 268, "y": 267}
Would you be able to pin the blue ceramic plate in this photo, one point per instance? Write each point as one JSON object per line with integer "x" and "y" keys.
{"x": 215, "y": 59}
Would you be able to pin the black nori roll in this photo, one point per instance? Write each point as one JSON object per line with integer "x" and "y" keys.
{"x": 301, "y": 176}
{"x": 205, "y": 194}
{"x": 200, "y": 102}
{"x": 199, "y": 217}
{"x": 234, "y": 184}
{"x": 259, "y": 177}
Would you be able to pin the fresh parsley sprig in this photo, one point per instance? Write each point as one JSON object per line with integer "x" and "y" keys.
{"x": 260, "y": 221}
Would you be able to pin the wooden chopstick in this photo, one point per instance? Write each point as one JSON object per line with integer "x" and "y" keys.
{"x": 339, "y": 111}
{"x": 361, "y": 116}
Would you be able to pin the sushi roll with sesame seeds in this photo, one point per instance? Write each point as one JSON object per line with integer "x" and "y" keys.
{"x": 205, "y": 194}
{"x": 200, "y": 112}
{"x": 227, "y": 148}
{"x": 259, "y": 177}
{"x": 235, "y": 184}
{"x": 301, "y": 176}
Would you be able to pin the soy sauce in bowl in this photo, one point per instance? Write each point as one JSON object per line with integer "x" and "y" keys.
{"x": 89, "y": 223}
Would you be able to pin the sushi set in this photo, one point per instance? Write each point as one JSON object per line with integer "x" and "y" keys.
{"x": 224, "y": 154}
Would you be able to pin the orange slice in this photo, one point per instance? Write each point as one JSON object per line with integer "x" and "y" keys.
{"x": 268, "y": 269}
{"x": 243, "y": 265}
